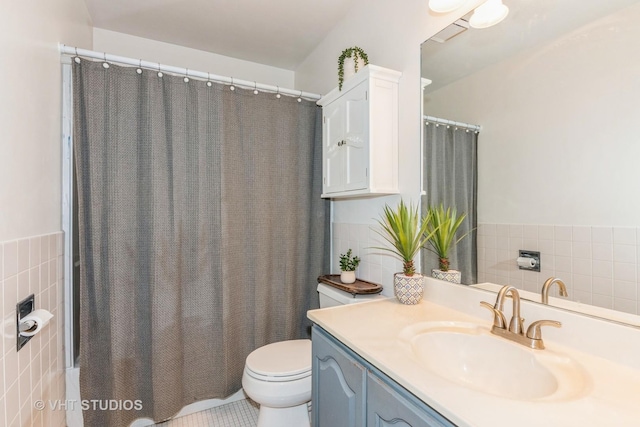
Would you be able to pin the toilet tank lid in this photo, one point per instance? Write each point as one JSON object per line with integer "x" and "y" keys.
{"x": 281, "y": 359}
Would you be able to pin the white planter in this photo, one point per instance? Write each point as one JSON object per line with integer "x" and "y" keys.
{"x": 350, "y": 67}
{"x": 453, "y": 276}
{"x": 348, "y": 276}
{"x": 408, "y": 289}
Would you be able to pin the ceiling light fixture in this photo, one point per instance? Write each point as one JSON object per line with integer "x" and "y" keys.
{"x": 488, "y": 14}
{"x": 445, "y": 6}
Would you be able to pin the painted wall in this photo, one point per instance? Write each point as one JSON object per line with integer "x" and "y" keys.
{"x": 30, "y": 106}
{"x": 180, "y": 56}
{"x": 30, "y": 182}
{"x": 391, "y": 36}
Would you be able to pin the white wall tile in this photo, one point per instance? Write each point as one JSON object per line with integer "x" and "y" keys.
{"x": 603, "y": 286}
{"x": 624, "y": 271}
{"x": 581, "y": 234}
{"x": 624, "y": 253}
{"x": 602, "y": 234}
{"x": 563, "y": 233}
{"x": 624, "y": 235}
{"x": 603, "y": 251}
{"x": 23, "y": 255}
{"x": 10, "y": 259}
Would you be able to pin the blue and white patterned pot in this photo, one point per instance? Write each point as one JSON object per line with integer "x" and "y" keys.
{"x": 408, "y": 289}
{"x": 453, "y": 276}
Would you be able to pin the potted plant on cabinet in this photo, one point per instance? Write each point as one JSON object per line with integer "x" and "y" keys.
{"x": 407, "y": 233}
{"x": 441, "y": 231}
{"x": 348, "y": 265}
{"x": 351, "y": 59}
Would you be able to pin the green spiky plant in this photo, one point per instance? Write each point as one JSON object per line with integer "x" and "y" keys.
{"x": 406, "y": 232}
{"x": 442, "y": 229}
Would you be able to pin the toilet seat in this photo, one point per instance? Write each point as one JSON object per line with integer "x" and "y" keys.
{"x": 280, "y": 361}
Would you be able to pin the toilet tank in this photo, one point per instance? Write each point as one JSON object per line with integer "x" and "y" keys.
{"x": 331, "y": 297}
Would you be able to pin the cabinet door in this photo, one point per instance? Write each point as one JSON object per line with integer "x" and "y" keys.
{"x": 333, "y": 147}
{"x": 387, "y": 407}
{"x": 338, "y": 386}
{"x": 356, "y": 136}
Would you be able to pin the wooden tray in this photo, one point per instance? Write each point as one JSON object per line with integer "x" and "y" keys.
{"x": 359, "y": 287}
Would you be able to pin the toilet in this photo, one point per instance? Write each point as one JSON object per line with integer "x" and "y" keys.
{"x": 278, "y": 376}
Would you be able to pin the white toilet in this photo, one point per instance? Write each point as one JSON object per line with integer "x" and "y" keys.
{"x": 278, "y": 375}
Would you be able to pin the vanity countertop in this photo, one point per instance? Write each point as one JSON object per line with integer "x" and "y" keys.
{"x": 372, "y": 329}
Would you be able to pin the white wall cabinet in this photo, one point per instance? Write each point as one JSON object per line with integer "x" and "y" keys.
{"x": 360, "y": 135}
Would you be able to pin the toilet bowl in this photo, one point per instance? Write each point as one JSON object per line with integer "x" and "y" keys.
{"x": 278, "y": 376}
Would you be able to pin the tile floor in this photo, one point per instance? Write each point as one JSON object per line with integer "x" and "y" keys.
{"x": 243, "y": 413}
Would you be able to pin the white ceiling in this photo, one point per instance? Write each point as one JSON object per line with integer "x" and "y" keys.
{"x": 280, "y": 33}
{"x": 529, "y": 23}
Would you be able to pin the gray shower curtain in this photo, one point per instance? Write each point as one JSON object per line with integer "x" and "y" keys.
{"x": 450, "y": 176}
{"x": 202, "y": 232}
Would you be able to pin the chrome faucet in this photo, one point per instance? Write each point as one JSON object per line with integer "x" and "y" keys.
{"x": 545, "y": 289}
{"x": 515, "y": 332}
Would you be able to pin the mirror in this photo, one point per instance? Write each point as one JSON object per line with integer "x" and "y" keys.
{"x": 555, "y": 88}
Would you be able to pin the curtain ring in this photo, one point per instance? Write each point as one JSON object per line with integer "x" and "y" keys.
{"x": 255, "y": 88}
{"x": 139, "y": 69}
{"x": 278, "y": 92}
{"x": 77, "y": 58}
{"x": 159, "y": 72}
{"x": 232, "y": 87}
{"x": 186, "y": 77}
{"x": 300, "y": 97}
{"x": 105, "y": 64}
{"x": 209, "y": 84}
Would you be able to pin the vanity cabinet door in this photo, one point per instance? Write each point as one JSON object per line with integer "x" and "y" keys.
{"x": 338, "y": 385}
{"x": 389, "y": 406}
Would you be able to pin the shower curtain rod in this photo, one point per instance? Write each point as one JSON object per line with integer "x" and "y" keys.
{"x": 439, "y": 121}
{"x": 74, "y": 51}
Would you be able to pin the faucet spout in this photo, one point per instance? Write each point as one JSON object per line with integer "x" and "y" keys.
{"x": 544, "y": 297}
{"x": 516, "y": 325}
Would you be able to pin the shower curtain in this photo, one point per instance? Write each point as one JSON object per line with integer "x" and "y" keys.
{"x": 202, "y": 233}
{"x": 450, "y": 176}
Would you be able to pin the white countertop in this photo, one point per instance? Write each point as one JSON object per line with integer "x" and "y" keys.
{"x": 610, "y": 398}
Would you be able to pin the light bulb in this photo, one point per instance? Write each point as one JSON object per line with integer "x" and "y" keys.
{"x": 488, "y": 14}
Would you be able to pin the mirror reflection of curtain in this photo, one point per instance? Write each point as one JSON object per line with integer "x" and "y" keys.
{"x": 202, "y": 233}
{"x": 450, "y": 177}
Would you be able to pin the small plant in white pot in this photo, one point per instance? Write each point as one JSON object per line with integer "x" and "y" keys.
{"x": 348, "y": 265}
{"x": 407, "y": 233}
{"x": 442, "y": 229}
{"x": 350, "y": 60}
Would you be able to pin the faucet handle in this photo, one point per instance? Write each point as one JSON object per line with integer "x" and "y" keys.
{"x": 498, "y": 318}
{"x": 534, "y": 331}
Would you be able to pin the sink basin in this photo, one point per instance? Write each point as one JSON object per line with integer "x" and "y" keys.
{"x": 471, "y": 356}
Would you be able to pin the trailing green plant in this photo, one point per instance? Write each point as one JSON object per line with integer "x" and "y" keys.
{"x": 442, "y": 229}
{"x": 348, "y": 263}
{"x": 406, "y": 232}
{"x": 350, "y": 52}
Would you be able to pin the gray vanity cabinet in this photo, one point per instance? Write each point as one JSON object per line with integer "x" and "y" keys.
{"x": 338, "y": 385}
{"x": 349, "y": 392}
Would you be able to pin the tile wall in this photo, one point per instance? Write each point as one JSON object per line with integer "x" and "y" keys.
{"x": 376, "y": 265}
{"x": 36, "y": 372}
{"x": 600, "y": 265}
